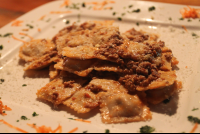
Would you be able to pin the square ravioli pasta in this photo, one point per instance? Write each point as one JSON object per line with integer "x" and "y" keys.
{"x": 94, "y": 65}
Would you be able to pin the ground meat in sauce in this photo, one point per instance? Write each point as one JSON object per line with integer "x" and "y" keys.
{"x": 134, "y": 66}
{"x": 94, "y": 88}
{"x": 145, "y": 73}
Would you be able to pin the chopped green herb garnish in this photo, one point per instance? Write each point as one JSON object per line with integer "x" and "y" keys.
{"x": 166, "y": 101}
{"x": 130, "y": 6}
{"x": 0, "y": 35}
{"x": 137, "y": 23}
{"x": 83, "y": 4}
{"x": 114, "y": 13}
{"x": 34, "y": 124}
{"x": 84, "y": 131}
{"x": 146, "y": 129}
{"x": 71, "y": 118}
{"x": 123, "y": 14}
{"x": 1, "y": 47}
{"x": 107, "y": 131}
{"x": 119, "y": 18}
{"x": 170, "y": 18}
{"x": 189, "y": 20}
{"x": 193, "y": 119}
{"x": 181, "y": 19}
{"x": 1, "y": 81}
{"x": 152, "y": 8}
{"x": 7, "y": 35}
{"x": 194, "y": 109}
{"x": 136, "y": 11}
{"x": 74, "y": 6}
{"x": 24, "y": 85}
{"x": 4, "y": 111}
{"x": 67, "y": 22}
{"x": 193, "y": 34}
{"x": 34, "y": 114}
{"x": 17, "y": 120}
{"x": 24, "y": 118}
{"x": 30, "y": 26}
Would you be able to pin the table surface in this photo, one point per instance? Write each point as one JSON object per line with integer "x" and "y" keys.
{"x": 12, "y": 9}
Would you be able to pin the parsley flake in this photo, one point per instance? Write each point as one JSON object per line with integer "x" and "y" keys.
{"x": 114, "y": 13}
{"x": 74, "y": 6}
{"x": 83, "y": 4}
{"x": 24, "y": 118}
{"x": 17, "y": 120}
{"x": 7, "y": 34}
{"x": 1, "y": 81}
{"x": 67, "y": 22}
{"x": 85, "y": 131}
{"x": 137, "y": 23}
{"x": 194, "y": 109}
{"x": 123, "y": 14}
{"x": 107, "y": 131}
{"x": 146, "y": 129}
{"x": 136, "y": 10}
{"x": 30, "y": 26}
{"x": 130, "y": 6}
{"x": 119, "y": 18}
{"x": 181, "y": 19}
{"x": 152, "y": 8}
{"x": 193, "y": 119}
{"x": 1, "y": 47}
{"x": 71, "y": 118}
{"x": 170, "y": 18}
{"x": 195, "y": 35}
{"x": 34, "y": 114}
{"x": 24, "y": 85}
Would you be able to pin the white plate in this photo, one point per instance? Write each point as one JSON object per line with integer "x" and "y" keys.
{"x": 171, "y": 117}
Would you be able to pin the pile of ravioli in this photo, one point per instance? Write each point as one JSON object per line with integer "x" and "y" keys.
{"x": 93, "y": 65}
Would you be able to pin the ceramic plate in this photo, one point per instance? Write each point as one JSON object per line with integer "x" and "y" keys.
{"x": 18, "y": 91}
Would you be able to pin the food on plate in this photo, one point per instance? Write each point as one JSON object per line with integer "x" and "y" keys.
{"x": 190, "y": 12}
{"x": 94, "y": 65}
{"x": 4, "y": 108}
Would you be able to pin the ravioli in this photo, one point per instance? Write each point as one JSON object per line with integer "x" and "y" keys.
{"x": 105, "y": 85}
{"x": 123, "y": 108}
{"x": 166, "y": 79}
{"x": 82, "y": 101}
{"x": 42, "y": 62}
{"x": 94, "y": 65}
{"x": 35, "y": 49}
{"x": 60, "y": 89}
{"x": 158, "y": 95}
